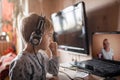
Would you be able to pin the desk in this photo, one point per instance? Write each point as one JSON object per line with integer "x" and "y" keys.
{"x": 74, "y": 73}
{"x": 70, "y": 74}
{"x": 66, "y": 57}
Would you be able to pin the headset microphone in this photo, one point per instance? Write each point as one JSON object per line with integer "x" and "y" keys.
{"x": 36, "y": 36}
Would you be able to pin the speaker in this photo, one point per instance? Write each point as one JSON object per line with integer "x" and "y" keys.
{"x": 36, "y": 36}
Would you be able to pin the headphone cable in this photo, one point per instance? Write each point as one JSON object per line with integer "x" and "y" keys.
{"x": 42, "y": 66}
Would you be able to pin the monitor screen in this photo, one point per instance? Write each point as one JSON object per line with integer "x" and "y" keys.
{"x": 70, "y": 27}
{"x": 106, "y": 45}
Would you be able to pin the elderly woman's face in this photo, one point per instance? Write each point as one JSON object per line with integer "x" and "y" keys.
{"x": 106, "y": 44}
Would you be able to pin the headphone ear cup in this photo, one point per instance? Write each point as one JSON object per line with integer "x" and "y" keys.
{"x": 35, "y": 39}
{"x": 36, "y": 36}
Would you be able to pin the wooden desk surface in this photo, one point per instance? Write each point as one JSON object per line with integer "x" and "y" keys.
{"x": 66, "y": 57}
{"x": 67, "y": 74}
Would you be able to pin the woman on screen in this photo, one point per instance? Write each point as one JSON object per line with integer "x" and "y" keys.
{"x": 106, "y": 51}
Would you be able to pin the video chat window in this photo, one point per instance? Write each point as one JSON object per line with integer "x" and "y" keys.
{"x": 100, "y": 43}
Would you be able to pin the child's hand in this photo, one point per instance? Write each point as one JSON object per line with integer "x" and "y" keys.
{"x": 53, "y": 47}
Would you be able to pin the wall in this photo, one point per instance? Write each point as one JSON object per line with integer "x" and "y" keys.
{"x": 47, "y": 7}
{"x": 102, "y": 15}
{"x": 119, "y": 17}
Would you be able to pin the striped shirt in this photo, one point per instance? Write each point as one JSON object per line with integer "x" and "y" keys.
{"x": 28, "y": 66}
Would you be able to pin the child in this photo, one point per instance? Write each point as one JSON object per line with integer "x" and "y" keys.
{"x": 33, "y": 62}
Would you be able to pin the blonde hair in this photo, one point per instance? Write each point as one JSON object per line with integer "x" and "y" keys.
{"x": 29, "y": 25}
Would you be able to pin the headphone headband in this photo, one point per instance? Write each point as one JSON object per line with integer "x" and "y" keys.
{"x": 40, "y": 25}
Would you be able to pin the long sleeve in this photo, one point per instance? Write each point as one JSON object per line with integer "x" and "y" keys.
{"x": 26, "y": 67}
{"x": 18, "y": 71}
{"x": 53, "y": 66}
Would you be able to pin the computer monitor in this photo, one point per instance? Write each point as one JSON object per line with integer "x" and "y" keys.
{"x": 71, "y": 28}
{"x": 106, "y": 45}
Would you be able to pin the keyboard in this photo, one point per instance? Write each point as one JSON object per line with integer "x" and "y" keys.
{"x": 103, "y": 68}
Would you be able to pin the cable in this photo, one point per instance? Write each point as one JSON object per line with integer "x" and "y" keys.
{"x": 42, "y": 66}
